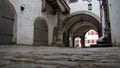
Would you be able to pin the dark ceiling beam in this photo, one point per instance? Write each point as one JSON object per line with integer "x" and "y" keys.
{"x": 59, "y": 6}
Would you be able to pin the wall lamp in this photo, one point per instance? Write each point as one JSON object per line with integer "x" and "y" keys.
{"x": 89, "y": 6}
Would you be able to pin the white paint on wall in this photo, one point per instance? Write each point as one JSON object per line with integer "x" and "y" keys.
{"x": 81, "y": 5}
{"x": 26, "y": 18}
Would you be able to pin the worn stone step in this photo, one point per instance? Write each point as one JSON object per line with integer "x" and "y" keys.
{"x": 101, "y": 45}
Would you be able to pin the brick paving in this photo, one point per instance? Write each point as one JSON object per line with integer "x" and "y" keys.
{"x": 19, "y": 56}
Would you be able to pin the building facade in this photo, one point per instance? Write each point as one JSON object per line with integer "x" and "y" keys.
{"x": 111, "y": 9}
{"x": 46, "y": 22}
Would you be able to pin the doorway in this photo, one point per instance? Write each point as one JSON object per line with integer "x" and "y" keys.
{"x": 7, "y": 23}
{"x": 40, "y": 32}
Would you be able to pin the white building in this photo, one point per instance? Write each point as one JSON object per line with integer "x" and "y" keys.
{"x": 41, "y": 21}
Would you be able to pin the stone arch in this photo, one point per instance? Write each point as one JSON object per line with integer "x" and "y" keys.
{"x": 8, "y": 25}
{"x": 84, "y": 33}
{"x": 80, "y": 13}
{"x": 80, "y": 18}
{"x": 81, "y": 31}
{"x": 40, "y": 32}
{"x": 76, "y": 17}
{"x": 77, "y": 26}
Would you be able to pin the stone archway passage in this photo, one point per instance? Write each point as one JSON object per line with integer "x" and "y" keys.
{"x": 6, "y": 23}
{"x": 79, "y": 23}
{"x": 40, "y": 32}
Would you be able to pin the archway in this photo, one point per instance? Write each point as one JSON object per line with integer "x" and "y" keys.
{"x": 79, "y": 23}
{"x": 8, "y": 28}
{"x": 76, "y": 41}
{"x": 40, "y": 32}
{"x": 91, "y": 37}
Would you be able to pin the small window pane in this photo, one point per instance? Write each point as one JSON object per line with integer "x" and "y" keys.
{"x": 72, "y": 1}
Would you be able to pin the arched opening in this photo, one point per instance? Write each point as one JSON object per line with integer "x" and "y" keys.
{"x": 40, "y": 32}
{"x": 8, "y": 28}
{"x": 80, "y": 23}
{"x": 91, "y": 37}
{"x": 77, "y": 41}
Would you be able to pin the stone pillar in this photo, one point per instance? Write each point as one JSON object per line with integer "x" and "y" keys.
{"x": 60, "y": 38}
{"x": 83, "y": 41}
{"x": 59, "y": 31}
{"x": 107, "y": 32}
{"x": 70, "y": 42}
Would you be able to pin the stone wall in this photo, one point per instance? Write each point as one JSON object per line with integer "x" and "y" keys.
{"x": 114, "y": 9}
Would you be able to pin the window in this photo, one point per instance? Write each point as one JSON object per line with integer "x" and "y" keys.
{"x": 84, "y": 0}
{"x": 72, "y": 1}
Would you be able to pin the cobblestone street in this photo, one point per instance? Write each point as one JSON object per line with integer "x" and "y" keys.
{"x": 17, "y": 56}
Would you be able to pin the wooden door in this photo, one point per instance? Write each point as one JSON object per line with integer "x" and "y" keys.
{"x": 40, "y": 32}
{"x": 6, "y": 23}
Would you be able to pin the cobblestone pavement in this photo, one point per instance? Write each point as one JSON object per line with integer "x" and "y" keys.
{"x": 17, "y": 56}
